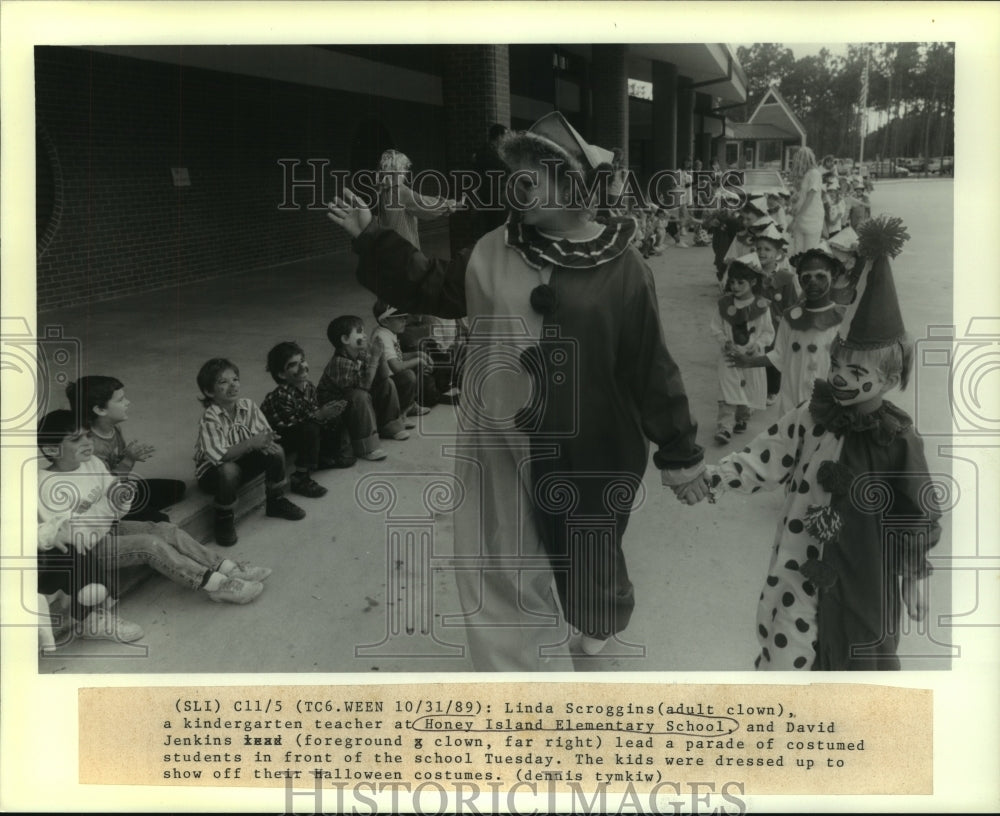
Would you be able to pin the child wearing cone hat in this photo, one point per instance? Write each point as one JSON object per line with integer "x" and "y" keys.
{"x": 837, "y": 579}
{"x": 802, "y": 344}
{"x": 779, "y": 286}
{"x": 741, "y": 322}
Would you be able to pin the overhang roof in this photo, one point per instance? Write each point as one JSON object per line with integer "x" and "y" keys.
{"x": 750, "y": 130}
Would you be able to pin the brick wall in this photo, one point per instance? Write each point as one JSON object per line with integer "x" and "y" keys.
{"x": 610, "y": 115}
{"x": 117, "y": 125}
{"x": 476, "y": 94}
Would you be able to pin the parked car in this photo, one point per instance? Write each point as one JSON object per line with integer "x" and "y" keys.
{"x": 945, "y": 165}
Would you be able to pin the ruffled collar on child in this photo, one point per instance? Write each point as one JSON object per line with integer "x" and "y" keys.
{"x": 883, "y": 424}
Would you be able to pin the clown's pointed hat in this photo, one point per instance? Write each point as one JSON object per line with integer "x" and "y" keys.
{"x": 874, "y": 319}
{"x": 774, "y": 233}
{"x": 556, "y": 128}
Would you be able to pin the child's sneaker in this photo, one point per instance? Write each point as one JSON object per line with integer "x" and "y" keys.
{"x": 402, "y": 436}
{"x": 280, "y": 507}
{"x": 302, "y": 484}
{"x": 225, "y": 528}
{"x": 740, "y": 426}
{"x": 771, "y": 399}
{"x": 236, "y": 591}
{"x": 245, "y": 571}
{"x": 723, "y": 436}
{"x": 102, "y": 624}
{"x": 418, "y": 410}
{"x": 376, "y": 455}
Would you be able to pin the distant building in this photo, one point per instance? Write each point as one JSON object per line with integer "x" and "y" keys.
{"x": 768, "y": 140}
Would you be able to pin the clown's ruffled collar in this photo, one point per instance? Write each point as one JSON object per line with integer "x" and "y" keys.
{"x": 539, "y": 250}
{"x": 801, "y": 318}
{"x": 883, "y": 424}
{"x": 735, "y": 314}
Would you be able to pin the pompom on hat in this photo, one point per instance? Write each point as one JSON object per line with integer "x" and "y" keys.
{"x": 556, "y": 128}
{"x": 874, "y": 319}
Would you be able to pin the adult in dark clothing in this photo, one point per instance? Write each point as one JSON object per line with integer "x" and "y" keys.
{"x": 576, "y": 304}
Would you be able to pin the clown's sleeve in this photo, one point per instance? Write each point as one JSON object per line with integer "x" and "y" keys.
{"x": 915, "y": 511}
{"x": 765, "y": 463}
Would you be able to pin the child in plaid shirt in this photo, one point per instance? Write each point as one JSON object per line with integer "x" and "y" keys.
{"x": 235, "y": 443}
{"x": 317, "y": 435}
{"x": 350, "y": 376}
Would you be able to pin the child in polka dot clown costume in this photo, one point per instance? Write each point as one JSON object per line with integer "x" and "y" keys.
{"x": 802, "y": 345}
{"x": 741, "y": 321}
{"x": 838, "y": 575}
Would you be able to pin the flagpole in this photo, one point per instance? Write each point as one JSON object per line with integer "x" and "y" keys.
{"x": 864, "y": 107}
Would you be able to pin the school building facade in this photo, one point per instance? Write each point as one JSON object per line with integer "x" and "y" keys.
{"x": 161, "y": 165}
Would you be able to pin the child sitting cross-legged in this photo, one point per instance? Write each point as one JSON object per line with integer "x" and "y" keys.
{"x": 234, "y": 444}
{"x": 316, "y": 434}
{"x": 80, "y": 510}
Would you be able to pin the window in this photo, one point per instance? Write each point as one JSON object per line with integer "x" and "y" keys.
{"x": 732, "y": 154}
{"x": 769, "y": 154}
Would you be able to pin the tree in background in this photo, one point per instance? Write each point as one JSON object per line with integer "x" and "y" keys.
{"x": 911, "y": 92}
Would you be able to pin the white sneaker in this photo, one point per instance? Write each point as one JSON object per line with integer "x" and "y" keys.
{"x": 376, "y": 455}
{"x": 418, "y": 410}
{"x": 101, "y": 624}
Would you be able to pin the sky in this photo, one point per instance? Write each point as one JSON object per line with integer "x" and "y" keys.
{"x": 800, "y": 50}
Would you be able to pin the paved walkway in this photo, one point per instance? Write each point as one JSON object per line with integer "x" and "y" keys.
{"x": 341, "y": 599}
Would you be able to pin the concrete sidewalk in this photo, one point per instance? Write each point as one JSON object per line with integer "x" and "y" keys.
{"x": 346, "y": 598}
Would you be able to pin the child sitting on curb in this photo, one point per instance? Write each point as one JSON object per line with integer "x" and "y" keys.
{"x": 406, "y": 369}
{"x": 102, "y": 403}
{"x": 80, "y": 510}
{"x": 350, "y": 376}
{"x": 317, "y": 435}
{"x": 234, "y": 444}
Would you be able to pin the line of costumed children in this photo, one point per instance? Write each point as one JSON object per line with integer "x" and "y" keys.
{"x": 860, "y": 510}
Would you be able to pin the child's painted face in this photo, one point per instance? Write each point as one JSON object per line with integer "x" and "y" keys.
{"x": 741, "y": 287}
{"x": 296, "y": 370}
{"x": 815, "y": 283}
{"x": 355, "y": 342}
{"x": 766, "y": 251}
{"x": 854, "y": 379}
{"x": 117, "y": 408}
{"x": 75, "y": 448}
{"x": 226, "y": 390}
